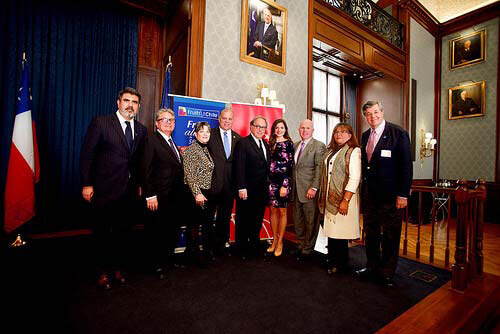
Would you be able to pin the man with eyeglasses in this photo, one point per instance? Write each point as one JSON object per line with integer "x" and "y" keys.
{"x": 251, "y": 172}
{"x": 164, "y": 190}
{"x": 109, "y": 163}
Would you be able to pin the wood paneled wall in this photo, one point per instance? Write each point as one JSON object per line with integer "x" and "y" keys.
{"x": 389, "y": 92}
{"x": 177, "y": 37}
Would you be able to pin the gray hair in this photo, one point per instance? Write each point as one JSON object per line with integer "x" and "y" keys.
{"x": 163, "y": 110}
{"x": 370, "y": 104}
{"x": 252, "y": 122}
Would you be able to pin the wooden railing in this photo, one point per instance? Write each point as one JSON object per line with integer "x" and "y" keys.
{"x": 469, "y": 228}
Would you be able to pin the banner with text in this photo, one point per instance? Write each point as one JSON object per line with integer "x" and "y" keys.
{"x": 188, "y": 111}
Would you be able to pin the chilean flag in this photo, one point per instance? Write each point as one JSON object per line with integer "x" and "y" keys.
{"x": 24, "y": 167}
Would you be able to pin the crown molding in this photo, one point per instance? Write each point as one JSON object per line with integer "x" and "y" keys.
{"x": 469, "y": 19}
{"x": 422, "y": 15}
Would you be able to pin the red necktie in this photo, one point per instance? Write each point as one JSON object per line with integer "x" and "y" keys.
{"x": 371, "y": 145}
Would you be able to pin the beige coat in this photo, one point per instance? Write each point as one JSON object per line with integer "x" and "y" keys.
{"x": 339, "y": 226}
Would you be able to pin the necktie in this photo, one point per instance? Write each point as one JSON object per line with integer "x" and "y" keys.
{"x": 128, "y": 134}
{"x": 171, "y": 143}
{"x": 300, "y": 151}
{"x": 371, "y": 145}
{"x": 227, "y": 149}
{"x": 262, "y": 149}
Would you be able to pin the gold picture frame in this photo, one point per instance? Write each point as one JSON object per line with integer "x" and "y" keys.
{"x": 467, "y": 100}
{"x": 262, "y": 45}
{"x": 468, "y": 50}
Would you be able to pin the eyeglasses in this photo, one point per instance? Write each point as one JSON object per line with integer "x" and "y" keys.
{"x": 260, "y": 127}
{"x": 341, "y": 132}
{"x": 166, "y": 120}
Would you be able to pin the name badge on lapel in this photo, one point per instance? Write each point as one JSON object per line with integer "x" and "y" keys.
{"x": 385, "y": 153}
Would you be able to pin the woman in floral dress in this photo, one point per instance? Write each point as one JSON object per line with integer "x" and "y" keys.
{"x": 280, "y": 181}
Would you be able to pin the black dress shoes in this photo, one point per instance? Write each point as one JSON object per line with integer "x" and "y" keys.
{"x": 388, "y": 282}
{"x": 160, "y": 272}
{"x": 365, "y": 273}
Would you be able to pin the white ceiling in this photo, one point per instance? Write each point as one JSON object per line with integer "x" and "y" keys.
{"x": 444, "y": 10}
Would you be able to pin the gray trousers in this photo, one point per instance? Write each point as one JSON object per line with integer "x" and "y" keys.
{"x": 306, "y": 225}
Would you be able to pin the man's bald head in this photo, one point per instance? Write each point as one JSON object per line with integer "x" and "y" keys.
{"x": 306, "y": 129}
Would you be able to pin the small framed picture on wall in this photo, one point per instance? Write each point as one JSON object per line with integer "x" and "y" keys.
{"x": 468, "y": 50}
{"x": 263, "y": 34}
{"x": 466, "y": 100}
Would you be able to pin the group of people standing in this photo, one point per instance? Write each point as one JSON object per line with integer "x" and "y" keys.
{"x": 122, "y": 168}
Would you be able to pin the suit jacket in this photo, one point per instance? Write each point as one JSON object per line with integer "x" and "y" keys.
{"x": 163, "y": 173}
{"x": 106, "y": 162}
{"x": 389, "y": 173}
{"x": 223, "y": 165}
{"x": 307, "y": 171}
{"x": 269, "y": 39}
{"x": 251, "y": 168}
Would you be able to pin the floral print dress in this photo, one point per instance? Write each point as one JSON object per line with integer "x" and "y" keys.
{"x": 281, "y": 173}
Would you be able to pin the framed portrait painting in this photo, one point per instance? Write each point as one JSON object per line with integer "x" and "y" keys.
{"x": 467, "y": 50}
{"x": 263, "y": 34}
{"x": 467, "y": 100}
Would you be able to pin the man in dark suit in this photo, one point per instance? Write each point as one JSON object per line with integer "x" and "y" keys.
{"x": 251, "y": 168}
{"x": 164, "y": 190}
{"x": 109, "y": 166}
{"x": 265, "y": 36}
{"x": 221, "y": 146}
{"x": 387, "y": 177}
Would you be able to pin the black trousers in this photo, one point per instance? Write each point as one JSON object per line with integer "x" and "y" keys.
{"x": 338, "y": 253}
{"x": 111, "y": 226}
{"x": 163, "y": 226}
{"x": 203, "y": 236}
{"x": 249, "y": 215}
{"x": 221, "y": 205}
{"x": 382, "y": 225}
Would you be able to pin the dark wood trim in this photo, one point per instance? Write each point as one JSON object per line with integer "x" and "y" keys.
{"x": 422, "y": 182}
{"x": 467, "y": 20}
{"x": 146, "y": 10}
{"x": 497, "y": 166}
{"x": 437, "y": 106}
{"x": 197, "y": 40}
{"x": 311, "y": 23}
{"x": 421, "y": 15}
{"x": 341, "y": 19}
{"x": 405, "y": 18}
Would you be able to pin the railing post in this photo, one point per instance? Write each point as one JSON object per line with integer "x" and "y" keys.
{"x": 459, "y": 272}
{"x": 479, "y": 229}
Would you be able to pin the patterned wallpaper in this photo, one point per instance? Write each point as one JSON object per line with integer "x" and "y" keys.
{"x": 422, "y": 70}
{"x": 226, "y": 78}
{"x": 468, "y": 145}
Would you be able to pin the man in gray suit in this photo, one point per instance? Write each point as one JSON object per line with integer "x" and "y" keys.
{"x": 306, "y": 176}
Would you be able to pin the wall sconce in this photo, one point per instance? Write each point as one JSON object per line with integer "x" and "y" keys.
{"x": 427, "y": 144}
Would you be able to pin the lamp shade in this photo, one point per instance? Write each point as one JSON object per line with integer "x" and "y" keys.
{"x": 264, "y": 92}
{"x": 272, "y": 95}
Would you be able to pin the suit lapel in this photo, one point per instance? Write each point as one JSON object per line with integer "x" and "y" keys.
{"x": 256, "y": 148}
{"x": 382, "y": 142}
{"x": 115, "y": 123}
{"x": 167, "y": 147}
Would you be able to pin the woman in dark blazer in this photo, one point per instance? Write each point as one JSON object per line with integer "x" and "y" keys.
{"x": 198, "y": 172}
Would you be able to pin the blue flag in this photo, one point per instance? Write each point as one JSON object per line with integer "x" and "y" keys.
{"x": 165, "y": 100}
